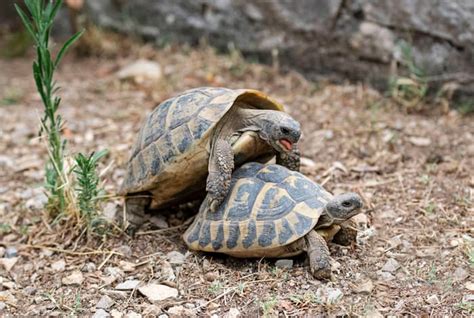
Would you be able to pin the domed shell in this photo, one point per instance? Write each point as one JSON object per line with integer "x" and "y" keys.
{"x": 268, "y": 206}
{"x": 175, "y": 128}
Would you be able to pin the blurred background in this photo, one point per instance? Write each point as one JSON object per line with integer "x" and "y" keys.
{"x": 431, "y": 43}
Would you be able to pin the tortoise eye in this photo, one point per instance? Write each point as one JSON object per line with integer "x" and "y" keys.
{"x": 346, "y": 204}
{"x": 284, "y": 130}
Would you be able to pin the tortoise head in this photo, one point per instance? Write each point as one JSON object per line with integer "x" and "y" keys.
{"x": 343, "y": 207}
{"x": 279, "y": 130}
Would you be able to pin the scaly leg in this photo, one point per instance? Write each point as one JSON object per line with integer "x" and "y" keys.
{"x": 135, "y": 208}
{"x": 318, "y": 253}
{"x": 221, "y": 164}
{"x": 290, "y": 160}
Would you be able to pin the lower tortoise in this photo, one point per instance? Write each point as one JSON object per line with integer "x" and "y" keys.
{"x": 192, "y": 142}
{"x": 274, "y": 212}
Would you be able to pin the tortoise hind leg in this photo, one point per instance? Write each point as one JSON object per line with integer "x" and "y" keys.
{"x": 318, "y": 253}
{"x": 290, "y": 160}
{"x": 135, "y": 211}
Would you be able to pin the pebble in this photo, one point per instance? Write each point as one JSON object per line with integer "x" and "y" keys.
{"x": 284, "y": 263}
{"x": 2, "y": 305}
{"x": 127, "y": 266}
{"x": 125, "y": 250}
{"x": 75, "y": 278}
{"x": 11, "y": 252}
{"x": 432, "y": 300}
{"x": 329, "y": 295}
{"x": 158, "y": 292}
{"x": 211, "y": 276}
{"x": 29, "y": 290}
{"x": 159, "y": 221}
{"x": 391, "y": 266}
{"x": 163, "y": 316}
{"x": 8, "y": 263}
{"x": 132, "y": 314}
{"x": 373, "y": 313}
{"x": 2, "y": 251}
{"x": 116, "y": 314}
{"x": 175, "y": 258}
{"x": 128, "y": 285}
{"x": 105, "y": 302}
{"x": 386, "y": 276}
{"x": 460, "y": 274}
{"x": 151, "y": 310}
{"x": 113, "y": 271}
{"x": 364, "y": 287}
{"x": 166, "y": 272}
{"x": 469, "y": 286}
{"x": 59, "y": 266}
{"x": 37, "y": 202}
{"x": 100, "y": 313}
{"x": 141, "y": 71}
{"x": 89, "y": 267}
{"x": 232, "y": 313}
{"x": 110, "y": 212}
{"x": 180, "y": 311}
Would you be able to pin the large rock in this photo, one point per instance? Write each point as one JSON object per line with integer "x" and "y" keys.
{"x": 335, "y": 39}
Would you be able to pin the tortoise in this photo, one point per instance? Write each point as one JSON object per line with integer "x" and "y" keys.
{"x": 274, "y": 212}
{"x": 204, "y": 132}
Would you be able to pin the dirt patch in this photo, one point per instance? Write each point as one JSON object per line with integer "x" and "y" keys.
{"x": 415, "y": 251}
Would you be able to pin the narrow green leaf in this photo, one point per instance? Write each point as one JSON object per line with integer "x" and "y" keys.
{"x": 26, "y": 22}
{"x": 66, "y": 46}
{"x": 96, "y": 156}
{"x": 55, "y": 9}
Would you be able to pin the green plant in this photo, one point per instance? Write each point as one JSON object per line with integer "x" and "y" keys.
{"x": 39, "y": 27}
{"x": 408, "y": 90}
{"x": 268, "y": 305}
{"x": 215, "y": 287}
{"x": 87, "y": 186}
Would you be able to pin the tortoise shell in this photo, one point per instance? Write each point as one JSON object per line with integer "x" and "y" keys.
{"x": 268, "y": 206}
{"x": 171, "y": 153}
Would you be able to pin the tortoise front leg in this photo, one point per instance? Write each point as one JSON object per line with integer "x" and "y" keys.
{"x": 318, "y": 253}
{"x": 135, "y": 208}
{"x": 290, "y": 160}
{"x": 221, "y": 165}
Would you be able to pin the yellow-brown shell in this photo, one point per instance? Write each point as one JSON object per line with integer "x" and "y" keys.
{"x": 268, "y": 206}
{"x": 171, "y": 151}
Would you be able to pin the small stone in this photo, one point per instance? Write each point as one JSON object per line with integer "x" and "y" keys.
{"x": 37, "y": 202}
{"x": 373, "y": 313}
{"x": 141, "y": 71}
{"x": 469, "y": 286}
{"x": 420, "y": 141}
{"x": 284, "y": 263}
{"x": 128, "y": 285}
{"x": 29, "y": 290}
{"x": 151, "y": 310}
{"x": 211, "y": 276}
{"x": 386, "y": 276}
{"x": 127, "y": 266}
{"x": 75, "y": 278}
{"x": 232, "y": 313}
{"x": 159, "y": 221}
{"x": 432, "y": 300}
{"x": 116, "y": 314}
{"x": 59, "y": 266}
{"x": 175, "y": 258}
{"x": 132, "y": 314}
{"x": 166, "y": 272}
{"x": 180, "y": 311}
{"x": 468, "y": 298}
{"x": 113, "y": 271}
{"x": 2, "y": 306}
{"x": 333, "y": 295}
{"x": 8, "y": 263}
{"x": 391, "y": 266}
{"x": 100, "y": 313}
{"x": 158, "y": 292}
{"x": 395, "y": 241}
{"x": 163, "y": 316}
{"x": 11, "y": 252}
{"x": 125, "y": 250}
{"x": 364, "y": 287}
{"x": 89, "y": 267}
{"x": 460, "y": 274}
{"x": 105, "y": 302}
{"x": 110, "y": 212}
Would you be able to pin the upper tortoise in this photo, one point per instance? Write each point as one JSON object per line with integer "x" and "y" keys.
{"x": 204, "y": 132}
{"x": 271, "y": 211}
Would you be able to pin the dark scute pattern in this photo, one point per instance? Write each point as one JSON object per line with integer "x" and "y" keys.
{"x": 205, "y": 237}
{"x": 201, "y": 127}
{"x": 303, "y": 225}
{"x": 184, "y": 109}
{"x": 156, "y": 160}
{"x": 157, "y": 123}
{"x": 169, "y": 149}
{"x": 233, "y": 234}
{"x": 251, "y": 235}
{"x": 240, "y": 208}
{"x": 186, "y": 141}
{"x": 142, "y": 166}
{"x": 217, "y": 243}
{"x": 266, "y": 237}
{"x": 314, "y": 202}
{"x": 273, "y": 173}
{"x": 248, "y": 170}
{"x": 194, "y": 235}
{"x": 303, "y": 190}
{"x": 274, "y": 207}
{"x": 285, "y": 232}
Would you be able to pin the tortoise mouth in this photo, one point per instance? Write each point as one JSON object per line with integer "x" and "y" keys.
{"x": 285, "y": 144}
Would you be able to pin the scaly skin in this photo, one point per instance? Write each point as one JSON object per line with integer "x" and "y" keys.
{"x": 290, "y": 160}
{"x": 318, "y": 253}
{"x": 135, "y": 209}
{"x": 221, "y": 165}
